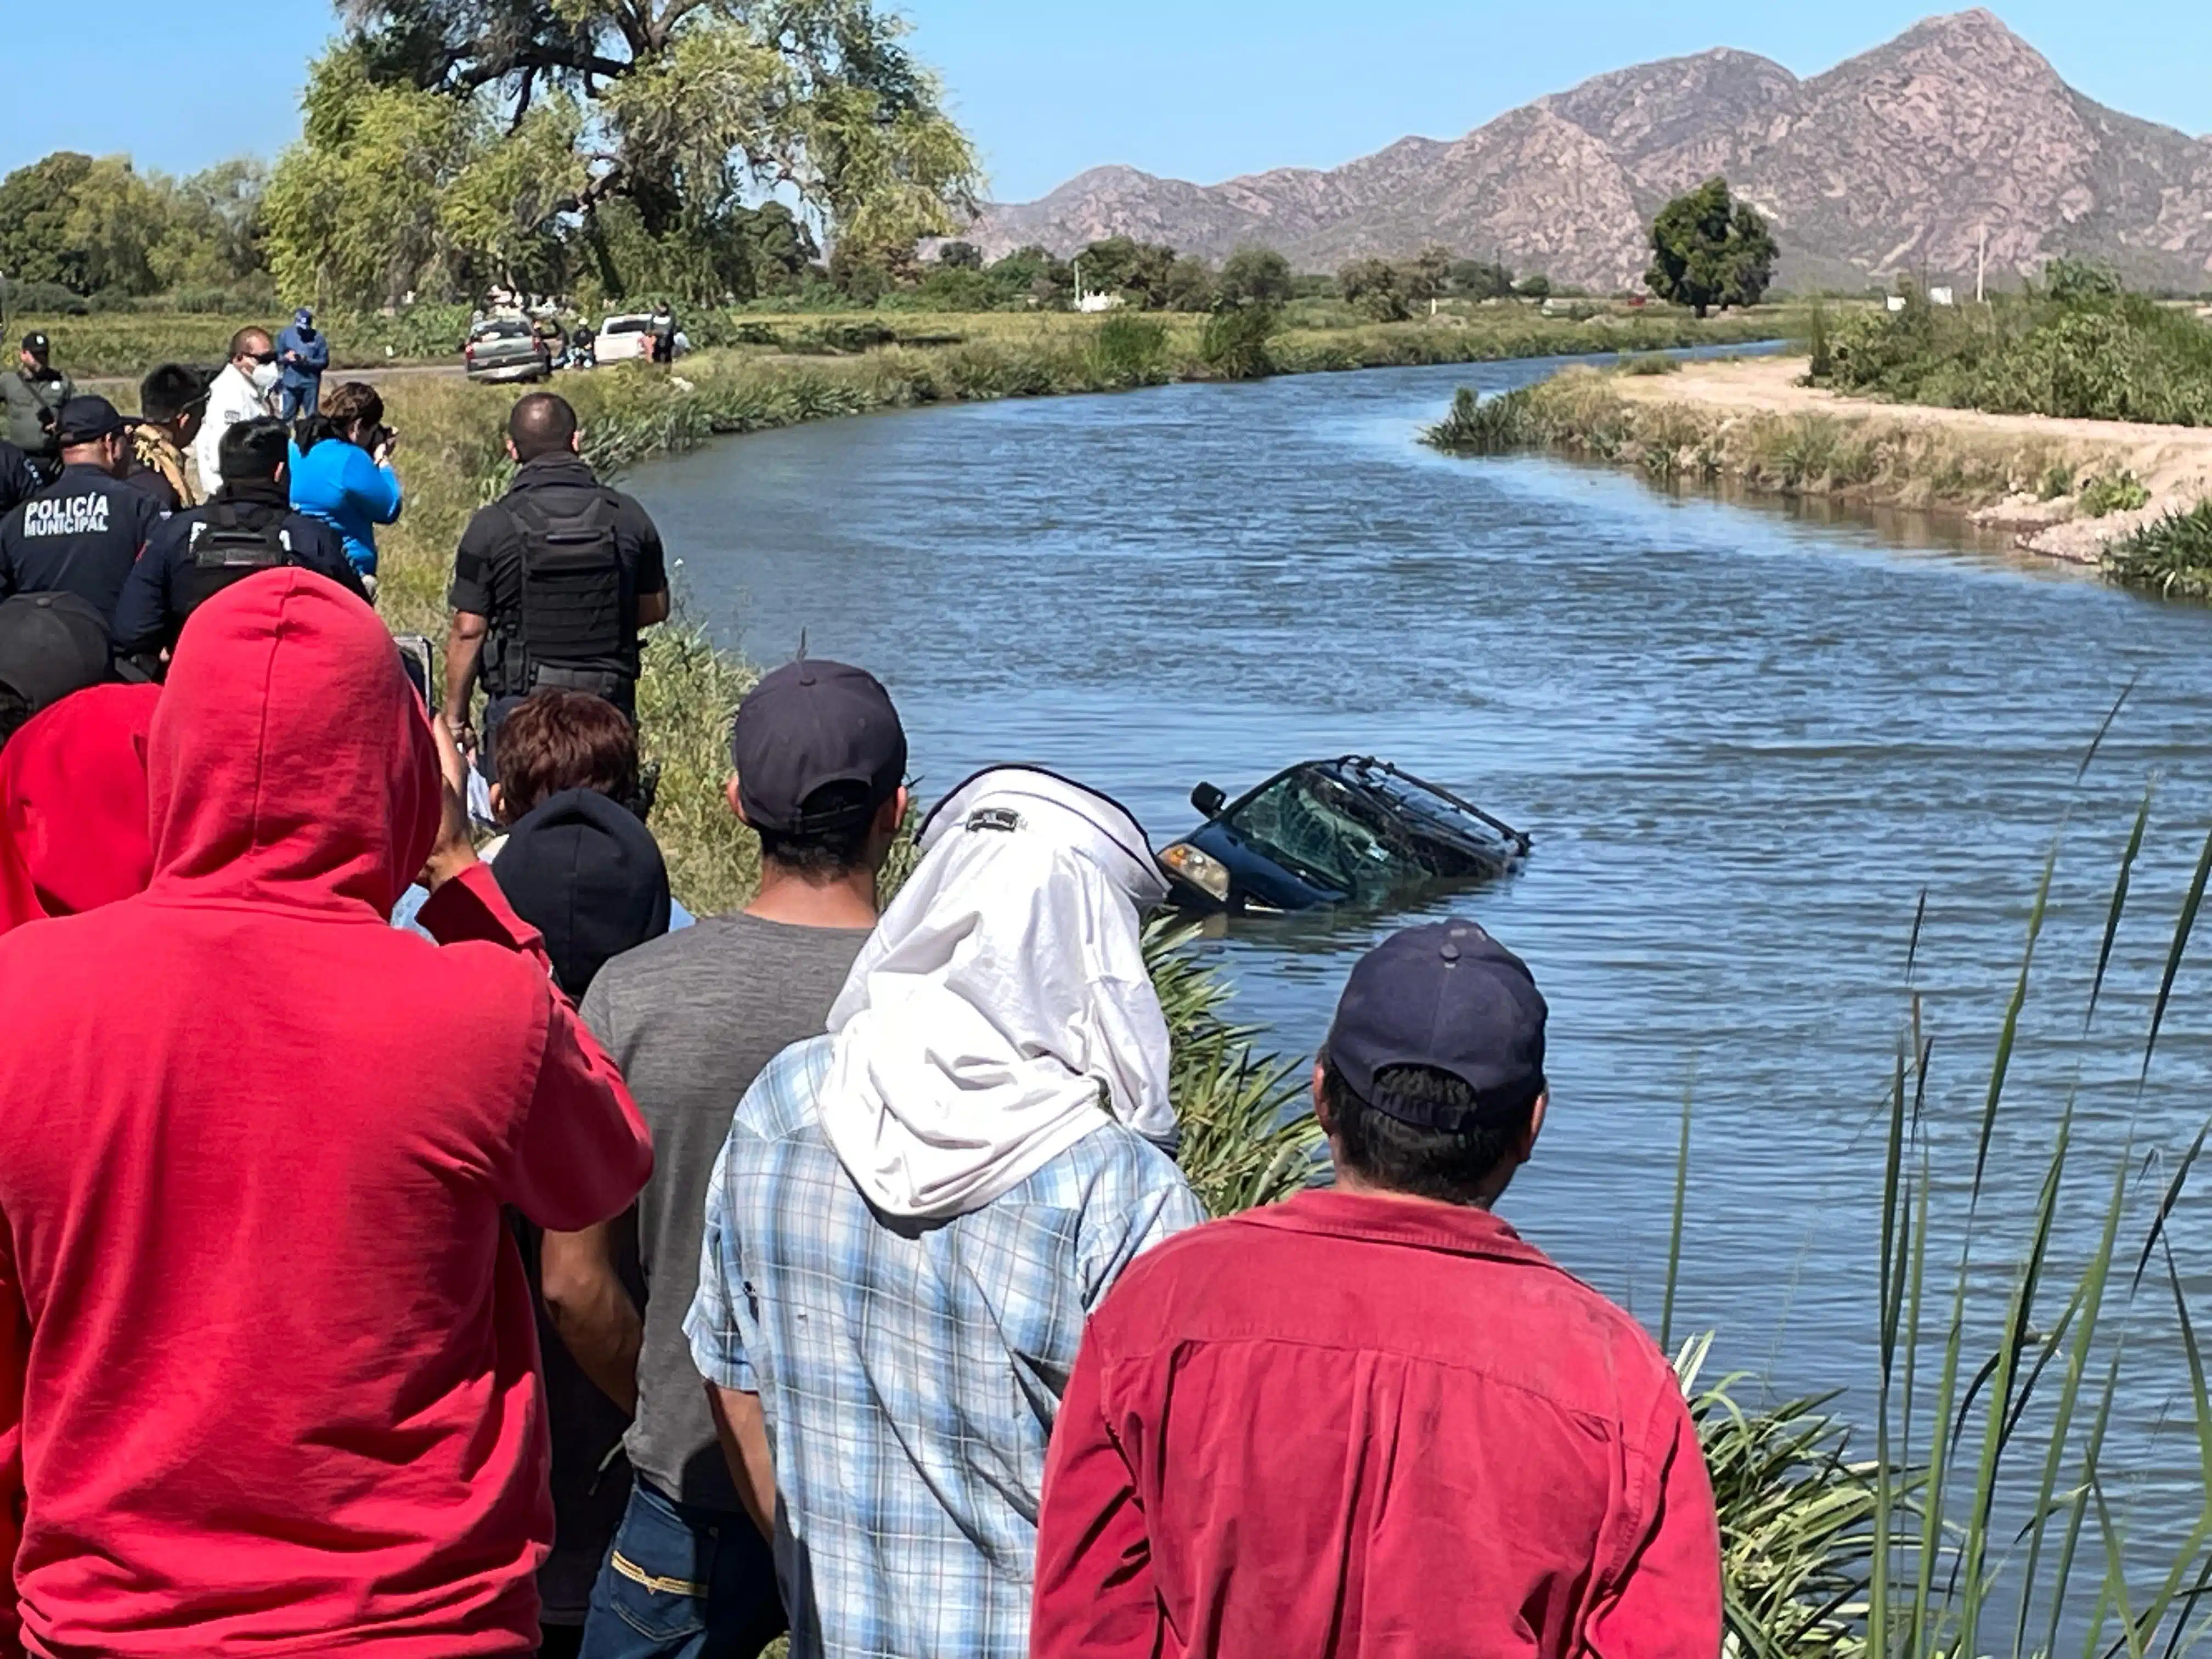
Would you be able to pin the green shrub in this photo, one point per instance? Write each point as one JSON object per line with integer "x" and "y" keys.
{"x": 2173, "y": 555}
{"x": 1654, "y": 362}
{"x": 1486, "y": 426}
{"x": 2058, "y": 480}
{"x": 1129, "y": 350}
{"x": 1233, "y": 343}
{"x": 2121, "y": 493}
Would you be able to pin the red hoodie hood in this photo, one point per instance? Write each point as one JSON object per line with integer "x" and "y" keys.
{"x": 291, "y": 763}
{"x": 73, "y": 832}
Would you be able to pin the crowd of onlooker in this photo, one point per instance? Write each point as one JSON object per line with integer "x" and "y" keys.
{"x": 414, "y": 1247}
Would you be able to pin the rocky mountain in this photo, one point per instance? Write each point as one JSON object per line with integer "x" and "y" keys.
{"x": 1905, "y": 159}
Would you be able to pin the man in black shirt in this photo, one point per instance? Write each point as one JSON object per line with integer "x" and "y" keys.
{"x": 83, "y": 533}
{"x": 249, "y": 525}
{"x": 552, "y": 581}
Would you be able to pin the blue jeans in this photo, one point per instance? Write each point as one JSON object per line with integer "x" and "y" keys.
{"x": 305, "y": 400}
{"x": 683, "y": 1583}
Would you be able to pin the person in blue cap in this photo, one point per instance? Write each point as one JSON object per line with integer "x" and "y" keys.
{"x": 302, "y": 354}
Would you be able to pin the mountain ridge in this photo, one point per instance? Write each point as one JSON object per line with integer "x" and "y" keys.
{"x": 1914, "y": 157}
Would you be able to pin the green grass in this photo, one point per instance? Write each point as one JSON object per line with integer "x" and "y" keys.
{"x": 2120, "y": 492}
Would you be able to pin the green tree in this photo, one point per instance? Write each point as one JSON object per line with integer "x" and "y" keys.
{"x": 1373, "y": 285}
{"x": 35, "y": 203}
{"x": 960, "y": 256}
{"x": 354, "y": 206}
{"x": 1139, "y": 271}
{"x": 212, "y": 236}
{"x": 1709, "y": 249}
{"x": 1189, "y": 285}
{"x": 1481, "y": 279}
{"x": 1032, "y": 274}
{"x": 690, "y": 110}
{"x": 115, "y": 217}
{"x": 1256, "y": 276}
{"x": 1426, "y": 275}
{"x": 1534, "y": 286}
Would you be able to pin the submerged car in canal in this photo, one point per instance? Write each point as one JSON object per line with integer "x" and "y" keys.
{"x": 1349, "y": 831}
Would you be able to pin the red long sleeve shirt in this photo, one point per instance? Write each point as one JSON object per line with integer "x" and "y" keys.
{"x": 1354, "y": 1425}
{"x": 268, "y": 1362}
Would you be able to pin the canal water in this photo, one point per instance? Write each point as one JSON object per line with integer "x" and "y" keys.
{"x": 1747, "y": 743}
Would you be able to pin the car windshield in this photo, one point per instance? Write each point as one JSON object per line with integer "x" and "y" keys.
{"x": 503, "y": 332}
{"x": 1365, "y": 830}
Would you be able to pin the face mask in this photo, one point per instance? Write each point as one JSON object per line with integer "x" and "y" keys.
{"x": 265, "y": 376}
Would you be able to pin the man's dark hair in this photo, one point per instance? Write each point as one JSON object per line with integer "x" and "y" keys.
{"x": 254, "y": 450}
{"x": 168, "y": 391}
{"x": 822, "y": 855}
{"x": 239, "y": 340}
{"x": 561, "y": 739}
{"x": 1451, "y": 1167}
{"x": 15, "y": 709}
{"x": 542, "y": 424}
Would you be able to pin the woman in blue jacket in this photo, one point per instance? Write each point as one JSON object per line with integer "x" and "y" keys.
{"x": 342, "y": 471}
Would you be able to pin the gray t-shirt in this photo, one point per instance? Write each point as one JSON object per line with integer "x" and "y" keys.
{"x": 691, "y": 1018}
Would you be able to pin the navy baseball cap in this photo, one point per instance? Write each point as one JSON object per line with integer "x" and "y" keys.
{"x": 1450, "y": 997}
{"x": 87, "y": 420}
{"x": 807, "y": 724}
{"x": 35, "y": 343}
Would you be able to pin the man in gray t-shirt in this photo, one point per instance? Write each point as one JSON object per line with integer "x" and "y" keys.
{"x": 691, "y": 1019}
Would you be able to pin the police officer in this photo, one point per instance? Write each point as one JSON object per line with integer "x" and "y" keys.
{"x": 34, "y": 395}
{"x": 18, "y": 482}
{"x": 248, "y": 526}
{"x": 83, "y": 533}
{"x": 552, "y": 581}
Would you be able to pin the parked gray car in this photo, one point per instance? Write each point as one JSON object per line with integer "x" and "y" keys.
{"x": 506, "y": 349}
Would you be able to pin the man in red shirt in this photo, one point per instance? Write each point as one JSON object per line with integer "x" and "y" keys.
{"x": 1371, "y": 1421}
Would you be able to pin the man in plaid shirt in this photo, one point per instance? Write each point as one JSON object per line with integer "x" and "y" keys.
{"x": 914, "y": 1214}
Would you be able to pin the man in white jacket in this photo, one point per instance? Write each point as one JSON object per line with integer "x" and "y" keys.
{"x": 240, "y": 393}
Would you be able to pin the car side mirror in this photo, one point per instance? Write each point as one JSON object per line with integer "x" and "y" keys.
{"x": 1208, "y": 800}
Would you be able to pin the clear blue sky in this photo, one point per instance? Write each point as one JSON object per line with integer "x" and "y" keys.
{"x": 1198, "y": 90}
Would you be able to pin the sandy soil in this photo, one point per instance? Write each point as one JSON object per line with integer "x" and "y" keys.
{"x": 2173, "y": 462}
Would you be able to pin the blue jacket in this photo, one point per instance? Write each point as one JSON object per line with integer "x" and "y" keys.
{"x": 314, "y": 349}
{"x": 338, "y": 483}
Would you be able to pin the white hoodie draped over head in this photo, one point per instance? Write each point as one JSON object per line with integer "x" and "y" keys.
{"x": 1001, "y": 1009}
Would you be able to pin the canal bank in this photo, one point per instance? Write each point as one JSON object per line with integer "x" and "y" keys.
{"x": 2067, "y": 490}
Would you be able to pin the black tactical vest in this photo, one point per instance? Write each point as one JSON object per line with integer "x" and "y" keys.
{"x": 225, "y": 548}
{"x": 571, "y": 622}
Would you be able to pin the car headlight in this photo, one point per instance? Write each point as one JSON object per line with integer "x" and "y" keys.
{"x": 1202, "y": 869}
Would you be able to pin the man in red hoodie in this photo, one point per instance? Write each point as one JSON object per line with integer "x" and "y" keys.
{"x": 268, "y": 1377}
{"x": 1371, "y": 1421}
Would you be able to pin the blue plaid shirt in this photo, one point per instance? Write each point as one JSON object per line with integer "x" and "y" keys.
{"x": 908, "y": 1371}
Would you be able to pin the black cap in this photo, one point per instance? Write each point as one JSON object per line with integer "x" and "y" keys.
{"x": 1450, "y": 997}
{"x": 50, "y": 645}
{"x": 87, "y": 420}
{"x": 586, "y": 873}
{"x": 35, "y": 344}
{"x": 807, "y": 724}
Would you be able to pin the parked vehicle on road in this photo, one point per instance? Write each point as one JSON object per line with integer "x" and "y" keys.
{"x": 506, "y": 349}
{"x": 1349, "y": 831}
{"x": 624, "y": 339}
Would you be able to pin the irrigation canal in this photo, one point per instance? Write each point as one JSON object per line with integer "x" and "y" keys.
{"x": 1746, "y": 740}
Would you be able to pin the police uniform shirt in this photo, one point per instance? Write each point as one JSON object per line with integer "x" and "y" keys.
{"x": 80, "y": 535}
{"x": 156, "y": 599}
